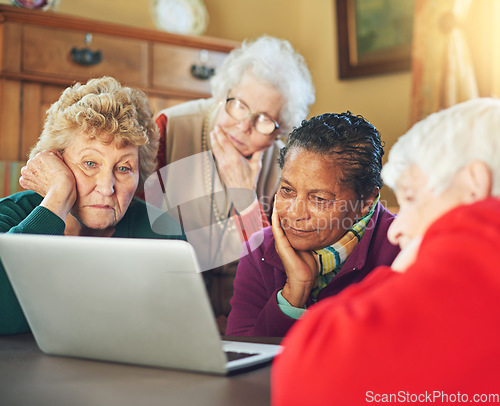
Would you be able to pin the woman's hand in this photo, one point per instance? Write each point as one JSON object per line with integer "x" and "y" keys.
{"x": 48, "y": 175}
{"x": 235, "y": 170}
{"x": 300, "y": 266}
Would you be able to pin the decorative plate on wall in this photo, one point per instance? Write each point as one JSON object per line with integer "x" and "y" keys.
{"x": 36, "y": 4}
{"x": 180, "y": 16}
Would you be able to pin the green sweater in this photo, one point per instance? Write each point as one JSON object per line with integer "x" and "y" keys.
{"x": 21, "y": 213}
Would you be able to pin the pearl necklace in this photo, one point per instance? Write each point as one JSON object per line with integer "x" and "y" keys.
{"x": 210, "y": 172}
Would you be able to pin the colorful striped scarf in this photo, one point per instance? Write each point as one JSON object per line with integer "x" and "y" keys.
{"x": 331, "y": 259}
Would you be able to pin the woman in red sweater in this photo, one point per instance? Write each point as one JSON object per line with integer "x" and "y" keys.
{"x": 426, "y": 329}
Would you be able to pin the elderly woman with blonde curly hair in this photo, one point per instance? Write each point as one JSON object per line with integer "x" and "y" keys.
{"x": 98, "y": 145}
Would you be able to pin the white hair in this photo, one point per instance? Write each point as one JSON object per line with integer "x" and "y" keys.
{"x": 274, "y": 61}
{"x": 446, "y": 141}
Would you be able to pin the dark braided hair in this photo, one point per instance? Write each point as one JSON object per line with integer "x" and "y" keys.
{"x": 350, "y": 140}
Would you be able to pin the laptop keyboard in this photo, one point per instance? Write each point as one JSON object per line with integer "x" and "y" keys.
{"x": 232, "y": 356}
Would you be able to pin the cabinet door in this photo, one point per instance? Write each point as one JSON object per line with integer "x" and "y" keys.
{"x": 37, "y": 98}
{"x": 10, "y": 119}
{"x": 22, "y": 114}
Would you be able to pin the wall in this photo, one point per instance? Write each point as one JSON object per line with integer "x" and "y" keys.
{"x": 310, "y": 25}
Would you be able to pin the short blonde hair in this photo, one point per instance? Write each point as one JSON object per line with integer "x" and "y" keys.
{"x": 105, "y": 110}
{"x": 446, "y": 141}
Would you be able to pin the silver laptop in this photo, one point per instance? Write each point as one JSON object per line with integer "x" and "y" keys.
{"x": 136, "y": 301}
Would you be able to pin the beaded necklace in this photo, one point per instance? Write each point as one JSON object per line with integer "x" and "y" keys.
{"x": 209, "y": 174}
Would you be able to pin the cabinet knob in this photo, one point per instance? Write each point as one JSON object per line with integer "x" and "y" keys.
{"x": 85, "y": 56}
{"x": 202, "y": 71}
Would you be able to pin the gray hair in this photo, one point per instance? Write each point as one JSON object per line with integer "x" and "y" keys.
{"x": 274, "y": 61}
{"x": 446, "y": 141}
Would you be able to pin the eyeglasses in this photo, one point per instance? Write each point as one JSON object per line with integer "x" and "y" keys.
{"x": 261, "y": 122}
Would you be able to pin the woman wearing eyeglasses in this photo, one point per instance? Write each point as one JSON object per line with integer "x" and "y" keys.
{"x": 262, "y": 90}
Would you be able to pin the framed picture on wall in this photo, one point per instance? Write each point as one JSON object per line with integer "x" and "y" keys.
{"x": 374, "y": 36}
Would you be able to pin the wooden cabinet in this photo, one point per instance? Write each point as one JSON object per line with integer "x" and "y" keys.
{"x": 37, "y": 61}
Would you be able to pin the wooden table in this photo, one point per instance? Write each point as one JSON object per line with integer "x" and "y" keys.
{"x": 30, "y": 377}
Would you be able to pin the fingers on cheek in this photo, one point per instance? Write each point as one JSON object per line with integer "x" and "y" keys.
{"x": 214, "y": 136}
{"x": 220, "y": 137}
{"x": 216, "y": 147}
{"x": 30, "y": 168}
{"x": 24, "y": 174}
{"x": 28, "y": 172}
{"x": 23, "y": 182}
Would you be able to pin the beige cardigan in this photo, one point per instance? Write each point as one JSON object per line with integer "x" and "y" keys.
{"x": 191, "y": 188}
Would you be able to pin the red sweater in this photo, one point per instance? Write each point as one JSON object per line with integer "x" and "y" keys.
{"x": 427, "y": 336}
